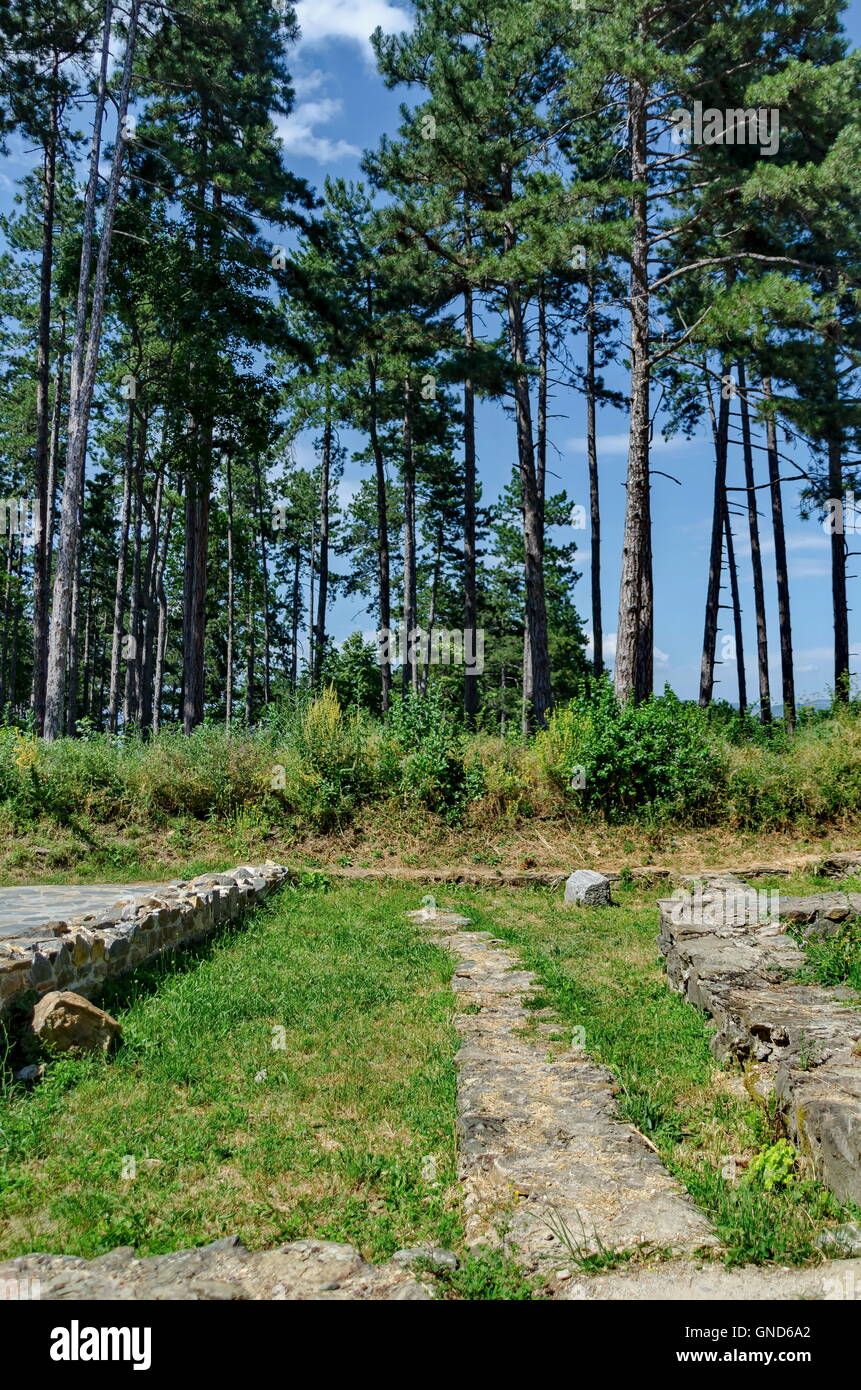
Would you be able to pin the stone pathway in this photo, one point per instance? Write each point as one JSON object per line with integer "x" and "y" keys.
{"x": 25, "y": 908}
{"x": 543, "y": 1158}
{"x": 308, "y": 1270}
{"x": 549, "y": 1172}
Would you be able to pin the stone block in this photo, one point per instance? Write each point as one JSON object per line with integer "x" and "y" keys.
{"x": 588, "y": 888}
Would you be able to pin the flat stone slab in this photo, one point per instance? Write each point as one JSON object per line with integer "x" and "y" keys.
{"x": 742, "y": 971}
{"x": 832, "y": 1281}
{"x": 546, "y": 1164}
{"x": 304, "y": 1270}
{"x": 32, "y": 906}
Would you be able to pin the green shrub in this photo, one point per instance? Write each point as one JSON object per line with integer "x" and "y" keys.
{"x": 437, "y": 766}
{"x": 660, "y": 762}
{"x": 329, "y": 761}
{"x": 655, "y": 760}
{"x": 833, "y": 960}
{"x": 774, "y": 1168}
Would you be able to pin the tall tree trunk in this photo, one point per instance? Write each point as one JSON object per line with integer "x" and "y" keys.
{"x": 736, "y": 612}
{"x": 41, "y": 521}
{"x": 838, "y": 573}
{"x": 784, "y": 617}
{"x": 294, "y": 656}
{"x": 8, "y": 617}
{"x": 720, "y": 431}
{"x": 528, "y": 678}
{"x": 470, "y": 596}
{"x": 72, "y": 660}
{"x": 103, "y": 676}
{"x": 437, "y": 564}
{"x": 150, "y": 605}
{"x": 18, "y": 611}
{"x": 383, "y": 566}
{"x": 526, "y": 683}
{"x": 755, "y": 551}
{"x": 323, "y": 590}
{"x": 543, "y": 390}
{"x": 197, "y": 504}
{"x": 161, "y": 638}
{"x": 84, "y": 363}
{"x": 594, "y": 500}
{"x": 249, "y": 649}
{"x": 120, "y": 585}
{"x": 54, "y": 452}
{"x": 264, "y": 564}
{"x": 410, "y": 668}
{"x": 633, "y": 673}
{"x": 502, "y": 700}
{"x": 71, "y": 725}
{"x": 88, "y": 638}
{"x": 131, "y": 701}
{"x": 231, "y": 599}
{"x": 537, "y": 692}
{"x": 312, "y": 593}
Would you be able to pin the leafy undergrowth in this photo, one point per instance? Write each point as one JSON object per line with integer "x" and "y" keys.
{"x": 801, "y": 884}
{"x": 833, "y": 960}
{"x": 289, "y": 1078}
{"x": 659, "y": 766}
{"x": 488, "y": 1275}
{"x": 602, "y": 974}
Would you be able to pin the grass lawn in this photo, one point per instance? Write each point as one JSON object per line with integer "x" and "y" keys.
{"x": 294, "y": 1077}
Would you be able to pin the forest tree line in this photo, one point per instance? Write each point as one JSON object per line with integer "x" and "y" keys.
{"x": 571, "y": 187}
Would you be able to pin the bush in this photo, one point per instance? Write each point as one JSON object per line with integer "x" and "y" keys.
{"x": 437, "y": 766}
{"x": 329, "y": 761}
{"x": 514, "y": 783}
{"x": 659, "y": 762}
{"x": 653, "y": 760}
{"x": 202, "y": 774}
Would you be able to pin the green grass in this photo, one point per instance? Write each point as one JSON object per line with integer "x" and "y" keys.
{"x": 803, "y": 884}
{"x": 833, "y": 960}
{"x": 348, "y": 1133}
{"x": 489, "y": 1275}
{"x": 602, "y": 973}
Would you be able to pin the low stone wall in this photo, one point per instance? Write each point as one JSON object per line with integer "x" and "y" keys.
{"x": 82, "y": 953}
{"x": 799, "y": 1041}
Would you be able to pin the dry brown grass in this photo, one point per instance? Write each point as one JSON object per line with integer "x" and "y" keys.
{"x": 388, "y": 841}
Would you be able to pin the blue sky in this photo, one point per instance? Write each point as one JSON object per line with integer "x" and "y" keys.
{"x": 343, "y": 107}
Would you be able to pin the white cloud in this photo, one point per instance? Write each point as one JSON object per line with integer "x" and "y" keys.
{"x": 808, "y": 569}
{"x": 815, "y": 654}
{"x": 795, "y": 540}
{"x": 617, "y": 444}
{"x": 346, "y": 489}
{"x": 304, "y": 83}
{"x": 354, "y": 20}
{"x": 608, "y": 648}
{"x": 297, "y": 134}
